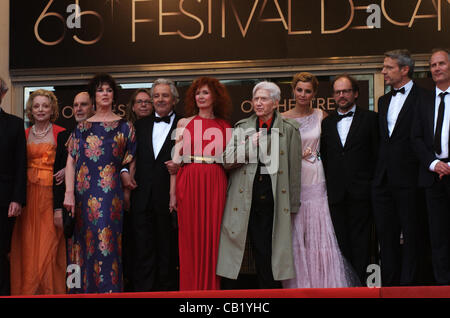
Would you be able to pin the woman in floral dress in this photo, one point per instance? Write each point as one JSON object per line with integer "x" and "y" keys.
{"x": 98, "y": 149}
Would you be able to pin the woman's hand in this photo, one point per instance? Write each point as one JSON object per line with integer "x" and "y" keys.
{"x": 69, "y": 202}
{"x": 173, "y": 203}
{"x": 59, "y": 176}
{"x": 58, "y": 218}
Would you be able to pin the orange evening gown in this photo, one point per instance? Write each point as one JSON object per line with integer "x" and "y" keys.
{"x": 38, "y": 253}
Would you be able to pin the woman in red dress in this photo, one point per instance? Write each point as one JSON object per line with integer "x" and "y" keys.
{"x": 199, "y": 188}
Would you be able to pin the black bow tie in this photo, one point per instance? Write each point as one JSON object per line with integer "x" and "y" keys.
{"x": 395, "y": 91}
{"x": 165, "y": 119}
{"x": 340, "y": 117}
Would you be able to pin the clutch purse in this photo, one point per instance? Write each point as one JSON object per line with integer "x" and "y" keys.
{"x": 68, "y": 223}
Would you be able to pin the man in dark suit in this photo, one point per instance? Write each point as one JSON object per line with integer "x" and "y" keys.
{"x": 13, "y": 182}
{"x": 349, "y": 144}
{"x": 82, "y": 110}
{"x": 396, "y": 197}
{"x": 431, "y": 143}
{"x": 154, "y": 226}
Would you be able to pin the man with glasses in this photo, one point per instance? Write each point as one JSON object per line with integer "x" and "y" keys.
{"x": 349, "y": 144}
{"x": 155, "y": 243}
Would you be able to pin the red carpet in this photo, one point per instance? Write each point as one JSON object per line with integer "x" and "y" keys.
{"x": 384, "y": 292}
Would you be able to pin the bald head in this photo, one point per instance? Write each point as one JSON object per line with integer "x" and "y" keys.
{"x": 82, "y": 107}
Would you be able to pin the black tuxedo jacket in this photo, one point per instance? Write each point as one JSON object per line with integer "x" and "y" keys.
{"x": 13, "y": 161}
{"x": 396, "y": 157}
{"x": 423, "y": 136}
{"x": 60, "y": 162}
{"x": 349, "y": 169}
{"x": 151, "y": 175}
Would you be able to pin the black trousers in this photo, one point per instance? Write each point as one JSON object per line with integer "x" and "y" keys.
{"x": 6, "y": 227}
{"x": 155, "y": 252}
{"x": 438, "y": 203}
{"x": 352, "y": 221}
{"x": 395, "y": 212}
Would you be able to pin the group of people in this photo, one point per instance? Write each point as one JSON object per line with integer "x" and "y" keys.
{"x": 156, "y": 202}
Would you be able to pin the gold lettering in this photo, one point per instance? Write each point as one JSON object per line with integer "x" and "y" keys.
{"x": 247, "y": 106}
{"x": 202, "y": 27}
{"x": 165, "y": 14}
{"x": 100, "y": 34}
{"x": 320, "y": 102}
{"x": 223, "y": 18}
{"x": 383, "y": 9}
{"x": 330, "y": 103}
{"x": 67, "y": 112}
{"x": 282, "y": 19}
{"x": 45, "y": 14}
{"x": 426, "y": 16}
{"x": 282, "y": 106}
{"x": 352, "y": 14}
{"x": 244, "y": 30}
{"x": 290, "y": 22}
{"x": 134, "y": 20}
{"x": 362, "y": 27}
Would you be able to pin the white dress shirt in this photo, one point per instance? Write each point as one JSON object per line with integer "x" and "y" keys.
{"x": 396, "y": 105}
{"x": 343, "y": 126}
{"x": 445, "y": 125}
{"x": 160, "y": 132}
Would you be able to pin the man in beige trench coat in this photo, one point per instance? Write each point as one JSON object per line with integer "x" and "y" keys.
{"x": 264, "y": 158}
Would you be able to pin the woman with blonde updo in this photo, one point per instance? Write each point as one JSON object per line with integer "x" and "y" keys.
{"x": 38, "y": 253}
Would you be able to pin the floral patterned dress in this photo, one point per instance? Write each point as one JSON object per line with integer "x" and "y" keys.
{"x": 100, "y": 150}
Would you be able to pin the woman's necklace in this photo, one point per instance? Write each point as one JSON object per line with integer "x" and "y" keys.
{"x": 41, "y": 134}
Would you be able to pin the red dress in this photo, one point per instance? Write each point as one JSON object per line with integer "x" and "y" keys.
{"x": 201, "y": 191}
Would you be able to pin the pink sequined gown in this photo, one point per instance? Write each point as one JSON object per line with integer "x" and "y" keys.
{"x": 318, "y": 260}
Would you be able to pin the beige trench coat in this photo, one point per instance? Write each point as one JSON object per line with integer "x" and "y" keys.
{"x": 286, "y": 193}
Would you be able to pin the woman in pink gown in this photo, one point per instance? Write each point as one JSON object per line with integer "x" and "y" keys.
{"x": 317, "y": 258}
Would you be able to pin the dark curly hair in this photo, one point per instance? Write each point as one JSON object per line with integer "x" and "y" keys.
{"x": 97, "y": 81}
{"x": 222, "y": 102}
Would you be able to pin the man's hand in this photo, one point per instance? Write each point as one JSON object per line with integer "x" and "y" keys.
{"x": 15, "y": 209}
{"x": 172, "y": 167}
{"x": 442, "y": 169}
{"x": 59, "y": 176}
{"x": 127, "y": 181}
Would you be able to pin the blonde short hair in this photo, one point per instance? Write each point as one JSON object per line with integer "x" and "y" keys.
{"x": 53, "y": 104}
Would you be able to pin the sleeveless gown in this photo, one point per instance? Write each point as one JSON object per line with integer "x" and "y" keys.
{"x": 38, "y": 253}
{"x": 317, "y": 258}
{"x": 201, "y": 192}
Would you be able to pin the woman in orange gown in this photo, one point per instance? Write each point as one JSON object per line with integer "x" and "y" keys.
{"x": 198, "y": 190}
{"x": 38, "y": 255}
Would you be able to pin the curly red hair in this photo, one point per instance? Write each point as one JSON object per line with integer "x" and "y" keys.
{"x": 222, "y": 102}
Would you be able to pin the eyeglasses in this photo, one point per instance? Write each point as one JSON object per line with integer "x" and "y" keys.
{"x": 143, "y": 102}
{"x": 343, "y": 91}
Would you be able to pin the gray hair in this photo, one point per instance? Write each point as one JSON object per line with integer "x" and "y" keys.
{"x": 173, "y": 88}
{"x": 3, "y": 86}
{"x": 272, "y": 88}
{"x": 403, "y": 58}
{"x": 436, "y": 50}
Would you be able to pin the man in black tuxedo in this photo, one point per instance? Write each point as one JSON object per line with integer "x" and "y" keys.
{"x": 13, "y": 182}
{"x": 154, "y": 227}
{"x": 431, "y": 143}
{"x": 82, "y": 110}
{"x": 349, "y": 144}
{"x": 396, "y": 197}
